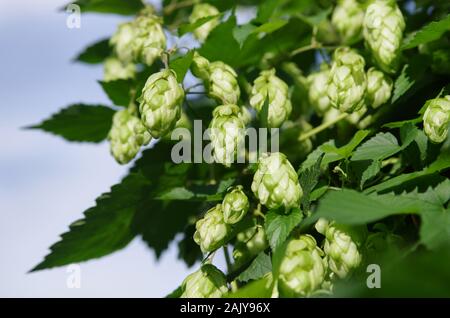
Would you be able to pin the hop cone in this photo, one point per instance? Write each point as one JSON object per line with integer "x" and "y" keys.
{"x": 122, "y": 41}
{"x": 149, "y": 41}
{"x": 203, "y": 10}
{"x": 341, "y": 246}
{"x": 379, "y": 88}
{"x": 302, "y": 270}
{"x": 160, "y": 103}
{"x": 226, "y": 133}
{"x": 275, "y": 182}
{"x": 269, "y": 86}
{"x": 437, "y": 118}
{"x": 347, "y": 81}
{"x": 317, "y": 92}
{"x": 211, "y": 231}
{"x": 348, "y": 19}
{"x": 200, "y": 67}
{"x": 249, "y": 243}
{"x": 222, "y": 83}
{"x": 114, "y": 69}
{"x": 126, "y": 136}
{"x": 207, "y": 282}
{"x": 383, "y": 31}
{"x": 235, "y": 205}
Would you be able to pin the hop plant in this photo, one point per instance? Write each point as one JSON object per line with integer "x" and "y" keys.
{"x": 122, "y": 40}
{"x": 249, "y": 243}
{"x": 317, "y": 93}
{"x": 114, "y": 69}
{"x": 126, "y": 136}
{"x": 347, "y": 18}
{"x": 149, "y": 39}
{"x": 226, "y": 133}
{"x": 347, "y": 81}
{"x": 211, "y": 231}
{"x": 222, "y": 83}
{"x": 207, "y": 282}
{"x": 160, "y": 103}
{"x": 200, "y": 67}
{"x": 383, "y": 32}
{"x": 302, "y": 269}
{"x": 270, "y": 87}
{"x": 379, "y": 88}
{"x": 437, "y": 118}
{"x": 342, "y": 246}
{"x": 235, "y": 205}
{"x": 203, "y": 10}
{"x": 275, "y": 182}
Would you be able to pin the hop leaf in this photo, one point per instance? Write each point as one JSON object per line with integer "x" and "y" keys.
{"x": 383, "y": 32}
{"x": 436, "y": 119}
{"x": 160, "y": 103}
{"x": 207, "y": 282}
{"x": 302, "y": 269}
{"x": 127, "y": 135}
{"x": 275, "y": 183}
{"x": 347, "y": 81}
{"x": 348, "y": 19}
{"x": 269, "y": 86}
{"x": 211, "y": 231}
{"x": 226, "y": 133}
{"x": 203, "y": 10}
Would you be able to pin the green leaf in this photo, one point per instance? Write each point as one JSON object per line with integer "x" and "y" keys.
{"x": 370, "y": 172}
{"x": 242, "y": 32}
{"x": 347, "y": 150}
{"x": 181, "y": 65}
{"x": 265, "y": 10}
{"x": 118, "y": 91}
{"x": 279, "y": 226}
{"x": 260, "y": 266}
{"x": 176, "y": 293}
{"x": 308, "y": 180}
{"x": 412, "y": 76}
{"x": 260, "y": 288}
{"x": 95, "y": 53}
{"x": 188, "y": 250}
{"x": 382, "y": 145}
{"x": 79, "y": 122}
{"x": 431, "y": 32}
{"x": 264, "y": 114}
{"x": 122, "y": 7}
{"x": 316, "y": 19}
{"x": 105, "y": 228}
{"x": 270, "y": 27}
{"x": 190, "y": 27}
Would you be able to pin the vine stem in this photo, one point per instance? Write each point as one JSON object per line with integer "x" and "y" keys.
{"x": 178, "y": 5}
{"x": 312, "y": 46}
{"x": 322, "y": 127}
{"x": 226, "y": 253}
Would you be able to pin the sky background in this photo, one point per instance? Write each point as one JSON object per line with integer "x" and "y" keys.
{"x": 45, "y": 182}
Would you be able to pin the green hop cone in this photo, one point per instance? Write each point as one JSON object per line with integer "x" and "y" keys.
{"x": 203, "y": 10}
{"x": 267, "y": 86}
{"x": 383, "y": 32}
{"x": 347, "y": 18}
{"x": 235, "y": 205}
{"x": 317, "y": 92}
{"x": 207, "y": 282}
{"x": 200, "y": 67}
{"x": 342, "y": 246}
{"x": 149, "y": 41}
{"x": 226, "y": 133}
{"x": 122, "y": 40}
{"x": 211, "y": 231}
{"x": 160, "y": 103}
{"x": 222, "y": 83}
{"x": 347, "y": 80}
{"x": 249, "y": 243}
{"x": 275, "y": 182}
{"x": 379, "y": 88}
{"x": 114, "y": 69}
{"x": 126, "y": 136}
{"x": 302, "y": 269}
{"x": 436, "y": 119}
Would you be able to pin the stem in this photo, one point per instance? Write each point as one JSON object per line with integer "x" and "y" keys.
{"x": 227, "y": 258}
{"x": 178, "y": 5}
{"x": 322, "y": 127}
{"x": 312, "y": 46}
{"x": 195, "y": 93}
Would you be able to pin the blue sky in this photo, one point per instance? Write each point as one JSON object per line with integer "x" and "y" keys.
{"x": 45, "y": 182}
